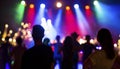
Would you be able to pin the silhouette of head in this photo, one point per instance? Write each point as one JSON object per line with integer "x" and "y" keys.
{"x": 46, "y": 41}
{"x": 58, "y": 37}
{"x": 19, "y": 40}
{"x": 68, "y": 40}
{"x": 87, "y": 37}
{"x": 74, "y": 35}
{"x": 37, "y": 32}
{"x": 104, "y": 36}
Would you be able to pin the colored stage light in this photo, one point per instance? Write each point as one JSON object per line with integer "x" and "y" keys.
{"x": 67, "y": 8}
{"x": 22, "y": 23}
{"x": 49, "y": 21}
{"x": 19, "y": 12}
{"x": 23, "y": 2}
{"x": 58, "y": 19}
{"x": 115, "y": 45}
{"x": 76, "y": 6}
{"x": 42, "y": 5}
{"x": 87, "y": 7}
{"x": 10, "y": 31}
{"x": 95, "y": 2}
{"x": 10, "y": 39}
{"x": 59, "y": 4}
{"x": 31, "y": 5}
{"x": 3, "y": 39}
{"x": 6, "y": 25}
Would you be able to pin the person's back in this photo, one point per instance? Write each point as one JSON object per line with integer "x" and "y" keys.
{"x": 39, "y": 56}
{"x": 87, "y": 48}
{"x": 102, "y": 59}
{"x": 76, "y": 49}
{"x": 57, "y": 51}
{"x": 6, "y": 50}
{"x": 67, "y": 62}
{"x": 17, "y": 53}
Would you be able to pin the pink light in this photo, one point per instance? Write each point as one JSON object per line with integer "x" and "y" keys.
{"x": 30, "y": 15}
{"x": 70, "y": 22}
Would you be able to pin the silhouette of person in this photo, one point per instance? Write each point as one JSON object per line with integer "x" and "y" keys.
{"x": 87, "y": 48}
{"x": 6, "y": 53}
{"x": 76, "y": 49}
{"x": 57, "y": 51}
{"x": 102, "y": 59}
{"x": 17, "y": 53}
{"x": 46, "y": 41}
{"x": 67, "y": 62}
{"x": 39, "y": 56}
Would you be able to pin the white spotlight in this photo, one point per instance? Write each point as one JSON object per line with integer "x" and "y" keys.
{"x": 76, "y": 6}
{"x": 42, "y": 5}
{"x": 95, "y": 2}
{"x": 59, "y": 4}
{"x": 49, "y": 21}
{"x": 23, "y": 2}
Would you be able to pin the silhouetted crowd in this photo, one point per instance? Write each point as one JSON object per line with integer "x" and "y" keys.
{"x": 66, "y": 54}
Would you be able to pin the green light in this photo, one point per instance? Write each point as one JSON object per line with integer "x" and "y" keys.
{"x": 19, "y": 13}
{"x": 98, "y": 9}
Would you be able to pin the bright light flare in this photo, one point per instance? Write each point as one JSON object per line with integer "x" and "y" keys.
{"x": 23, "y": 3}
{"x": 31, "y": 5}
{"x": 10, "y": 31}
{"x": 81, "y": 41}
{"x": 10, "y": 39}
{"x": 42, "y": 5}
{"x": 87, "y": 7}
{"x": 22, "y": 23}
{"x": 3, "y": 39}
{"x": 59, "y": 4}
{"x": 76, "y": 6}
{"x": 6, "y": 25}
{"x": 115, "y": 45}
{"x": 98, "y": 48}
{"x": 95, "y": 2}
{"x": 67, "y": 8}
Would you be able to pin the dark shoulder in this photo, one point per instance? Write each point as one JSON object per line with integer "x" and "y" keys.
{"x": 38, "y": 48}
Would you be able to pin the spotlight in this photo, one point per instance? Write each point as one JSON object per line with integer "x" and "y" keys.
{"x": 10, "y": 31}
{"x": 87, "y": 7}
{"x": 59, "y": 4}
{"x": 48, "y": 21}
{"x": 95, "y": 2}
{"x": 42, "y": 5}
{"x": 23, "y": 2}
{"x": 6, "y": 25}
{"x": 76, "y": 6}
{"x": 67, "y": 8}
{"x": 31, "y": 5}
